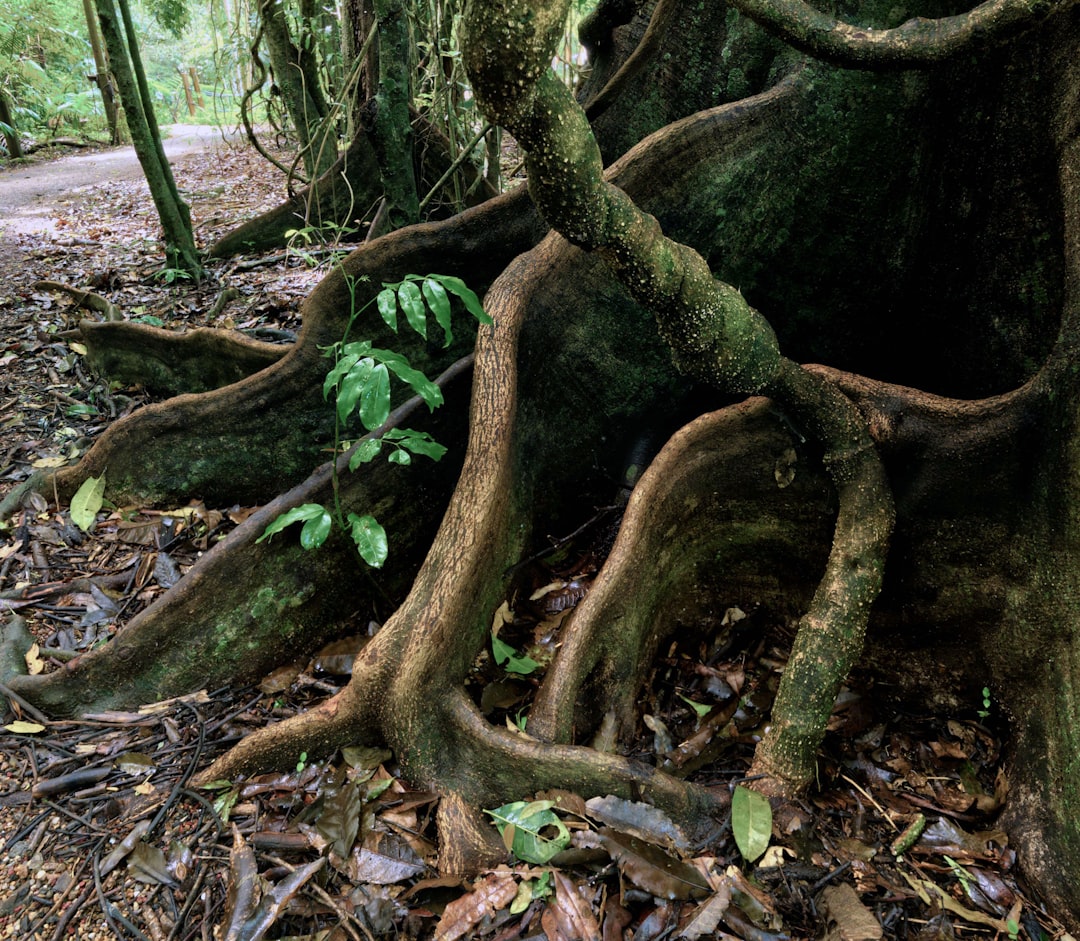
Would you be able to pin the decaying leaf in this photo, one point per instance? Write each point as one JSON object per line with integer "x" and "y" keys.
{"x": 147, "y": 864}
{"x": 492, "y": 893}
{"x": 638, "y": 819}
{"x": 87, "y": 501}
{"x": 932, "y": 894}
{"x": 522, "y": 825}
{"x": 945, "y": 836}
{"x": 22, "y": 727}
{"x": 339, "y": 821}
{"x": 851, "y": 920}
{"x": 252, "y": 905}
{"x": 653, "y": 869}
{"x": 34, "y": 663}
{"x": 133, "y": 762}
{"x": 384, "y": 859}
{"x": 124, "y": 847}
{"x": 707, "y": 917}
{"x": 568, "y": 915}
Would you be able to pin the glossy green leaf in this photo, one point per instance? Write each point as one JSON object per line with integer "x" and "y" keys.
{"x": 370, "y": 539}
{"x": 352, "y": 388}
{"x": 316, "y": 530}
{"x": 416, "y": 380}
{"x": 386, "y": 301}
{"x": 468, "y": 296}
{"x": 751, "y": 822}
{"x": 408, "y": 295}
{"x": 510, "y": 660}
{"x": 419, "y": 442}
{"x": 303, "y": 513}
{"x": 522, "y": 825}
{"x": 375, "y": 398}
{"x": 87, "y": 501}
{"x": 348, "y": 358}
{"x": 400, "y": 457}
{"x": 435, "y": 295}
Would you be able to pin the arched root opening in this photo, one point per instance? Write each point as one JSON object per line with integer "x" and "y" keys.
{"x": 346, "y": 195}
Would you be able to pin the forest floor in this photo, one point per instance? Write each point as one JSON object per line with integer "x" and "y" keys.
{"x": 103, "y": 838}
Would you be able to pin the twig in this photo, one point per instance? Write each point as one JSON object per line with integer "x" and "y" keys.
{"x": 865, "y": 793}
{"x": 34, "y": 714}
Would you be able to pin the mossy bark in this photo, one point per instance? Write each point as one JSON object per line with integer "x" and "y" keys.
{"x": 920, "y": 226}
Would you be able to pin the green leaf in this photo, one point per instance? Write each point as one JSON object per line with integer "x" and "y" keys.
{"x": 468, "y": 297}
{"x": 375, "y": 398}
{"x": 386, "y": 301}
{"x": 521, "y": 824}
{"x": 511, "y": 661}
{"x": 409, "y": 297}
{"x": 352, "y": 388}
{"x": 365, "y": 452}
{"x": 370, "y": 539}
{"x": 700, "y": 709}
{"x": 340, "y": 370}
{"x": 435, "y": 295}
{"x": 751, "y": 822}
{"x": 316, "y": 530}
{"x": 400, "y": 457}
{"x": 87, "y": 501}
{"x": 308, "y": 511}
{"x": 416, "y": 380}
{"x": 419, "y": 442}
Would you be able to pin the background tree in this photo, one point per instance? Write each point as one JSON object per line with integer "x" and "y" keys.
{"x": 102, "y": 77}
{"x": 122, "y": 44}
{"x": 900, "y": 203}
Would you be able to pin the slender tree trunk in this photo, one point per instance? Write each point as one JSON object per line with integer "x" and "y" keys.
{"x": 391, "y": 130}
{"x": 175, "y": 217}
{"x": 103, "y": 79}
{"x": 300, "y": 90}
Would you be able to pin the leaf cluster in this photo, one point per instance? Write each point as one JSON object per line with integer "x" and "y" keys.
{"x": 360, "y": 381}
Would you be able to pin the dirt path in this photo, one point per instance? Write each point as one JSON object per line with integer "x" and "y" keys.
{"x": 29, "y": 194}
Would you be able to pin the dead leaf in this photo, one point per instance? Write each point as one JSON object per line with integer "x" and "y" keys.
{"x": 252, "y": 905}
{"x": 852, "y": 920}
{"x": 147, "y": 864}
{"x": 933, "y": 895}
{"x": 120, "y": 852}
{"x": 708, "y": 915}
{"x": 384, "y": 860}
{"x": 638, "y": 819}
{"x": 650, "y": 868}
{"x": 494, "y": 892}
{"x": 572, "y": 916}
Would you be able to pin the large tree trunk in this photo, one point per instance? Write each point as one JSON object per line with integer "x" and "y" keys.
{"x": 935, "y": 215}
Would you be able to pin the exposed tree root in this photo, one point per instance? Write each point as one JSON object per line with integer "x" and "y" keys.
{"x": 247, "y": 607}
{"x": 170, "y": 363}
{"x": 202, "y": 444}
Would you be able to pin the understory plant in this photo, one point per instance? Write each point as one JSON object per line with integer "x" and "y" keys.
{"x": 360, "y": 381}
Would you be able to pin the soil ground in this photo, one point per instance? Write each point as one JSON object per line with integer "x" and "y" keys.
{"x": 102, "y": 837}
